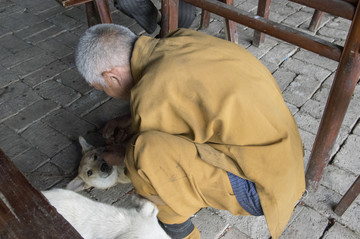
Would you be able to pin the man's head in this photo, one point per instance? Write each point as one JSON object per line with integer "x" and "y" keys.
{"x": 103, "y": 58}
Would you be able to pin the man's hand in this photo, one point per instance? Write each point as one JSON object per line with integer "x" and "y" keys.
{"x": 114, "y": 154}
{"x": 118, "y": 130}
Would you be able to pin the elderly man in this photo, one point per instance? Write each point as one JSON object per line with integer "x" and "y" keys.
{"x": 211, "y": 127}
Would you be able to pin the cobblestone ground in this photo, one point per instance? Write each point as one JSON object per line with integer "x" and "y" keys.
{"x": 45, "y": 106}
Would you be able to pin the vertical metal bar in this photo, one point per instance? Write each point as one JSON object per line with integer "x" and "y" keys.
{"x": 345, "y": 80}
{"x": 169, "y": 16}
{"x": 230, "y": 26}
{"x": 348, "y": 198}
{"x": 104, "y": 11}
{"x": 263, "y": 11}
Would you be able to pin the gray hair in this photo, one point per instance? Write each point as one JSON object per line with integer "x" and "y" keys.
{"x": 101, "y": 48}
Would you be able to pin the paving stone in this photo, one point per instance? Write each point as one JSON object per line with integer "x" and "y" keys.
{"x": 106, "y": 112}
{"x": 34, "y": 64}
{"x": 349, "y": 155}
{"x": 45, "y": 177}
{"x": 297, "y": 18}
{"x": 49, "y": 71}
{"x": 10, "y": 10}
{"x": 307, "y": 139}
{"x": 69, "y": 60}
{"x": 33, "y": 30}
{"x": 263, "y": 49}
{"x": 11, "y": 143}
{"x": 301, "y": 90}
{"x": 304, "y": 68}
{"x": 293, "y": 109}
{"x": 357, "y": 129}
{"x": 21, "y": 56}
{"x": 353, "y": 112}
{"x": 4, "y": 53}
{"x": 209, "y": 224}
{"x": 13, "y": 43}
{"x": 323, "y": 201}
{"x": 313, "y": 108}
{"x": 306, "y": 122}
{"x": 67, "y": 38}
{"x": 7, "y": 77}
{"x": 338, "y": 231}
{"x": 333, "y": 33}
{"x": 321, "y": 94}
{"x": 40, "y": 6}
{"x": 68, "y": 160}
{"x": 20, "y": 20}
{"x": 46, "y": 139}
{"x": 73, "y": 79}
{"x": 351, "y": 217}
{"x": 280, "y": 53}
{"x": 68, "y": 124}
{"x": 64, "y": 22}
{"x": 30, "y": 114}
{"x": 310, "y": 57}
{"x": 234, "y": 232}
{"x": 284, "y": 78}
{"x": 255, "y": 227}
{"x": 44, "y": 35}
{"x": 308, "y": 224}
{"x": 50, "y": 12}
{"x": 57, "y": 92}
{"x": 113, "y": 195}
{"x": 77, "y": 13}
{"x": 56, "y": 48}
{"x": 30, "y": 160}
{"x": 16, "y": 97}
{"x": 338, "y": 179}
{"x": 88, "y": 102}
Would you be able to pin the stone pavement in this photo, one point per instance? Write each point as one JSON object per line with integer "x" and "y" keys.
{"x": 45, "y": 106}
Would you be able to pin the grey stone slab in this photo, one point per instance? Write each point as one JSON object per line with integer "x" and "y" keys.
{"x": 46, "y": 34}
{"x": 47, "y": 72}
{"x": 307, "y": 139}
{"x": 263, "y": 49}
{"x": 21, "y": 56}
{"x": 233, "y": 232}
{"x": 30, "y": 114}
{"x": 337, "y": 179}
{"x": 349, "y": 155}
{"x": 13, "y": 43}
{"x": 308, "y": 224}
{"x": 34, "y": 64}
{"x": 40, "y": 6}
{"x": 353, "y": 112}
{"x": 57, "y": 92}
{"x": 114, "y": 195}
{"x": 69, "y": 39}
{"x": 297, "y": 18}
{"x": 323, "y": 201}
{"x": 45, "y": 138}
{"x": 50, "y": 12}
{"x": 55, "y": 47}
{"x": 88, "y": 102}
{"x": 7, "y": 77}
{"x": 10, "y": 10}
{"x": 209, "y": 224}
{"x": 338, "y": 34}
{"x": 11, "y": 143}
{"x": 338, "y": 231}
{"x": 74, "y": 80}
{"x": 313, "y": 108}
{"x": 64, "y": 21}
{"x": 316, "y": 59}
{"x": 307, "y": 69}
{"x": 306, "y": 122}
{"x": 33, "y": 30}
{"x": 30, "y": 160}
{"x": 300, "y": 90}
{"x": 77, "y": 13}
{"x": 68, "y": 124}
{"x": 20, "y": 20}
{"x": 357, "y": 129}
{"x": 4, "y": 53}
{"x": 69, "y": 60}
{"x": 255, "y": 227}
{"x": 293, "y": 109}
{"x": 280, "y": 53}
{"x": 351, "y": 217}
{"x": 68, "y": 160}
{"x": 321, "y": 94}
{"x": 45, "y": 177}
{"x": 284, "y": 78}
{"x": 16, "y": 97}
{"x": 106, "y": 112}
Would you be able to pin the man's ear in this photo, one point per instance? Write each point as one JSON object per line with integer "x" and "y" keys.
{"x": 111, "y": 77}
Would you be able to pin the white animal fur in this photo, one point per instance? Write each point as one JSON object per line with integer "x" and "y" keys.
{"x": 95, "y": 220}
{"x": 97, "y": 179}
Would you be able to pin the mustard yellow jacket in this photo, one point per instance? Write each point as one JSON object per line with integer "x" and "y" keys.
{"x": 218, "y": 95}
